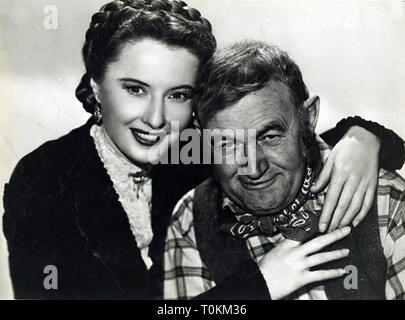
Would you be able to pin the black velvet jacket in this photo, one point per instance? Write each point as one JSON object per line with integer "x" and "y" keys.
{"x": 61, "y": 209}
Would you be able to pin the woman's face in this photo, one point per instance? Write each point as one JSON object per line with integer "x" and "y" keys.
{"x": 145, "y": 94}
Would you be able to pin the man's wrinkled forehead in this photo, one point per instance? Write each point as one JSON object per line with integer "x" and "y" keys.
{"x": 271, "y": 104}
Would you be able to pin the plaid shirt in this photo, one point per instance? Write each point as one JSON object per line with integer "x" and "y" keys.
{"x": 186, "y": 276}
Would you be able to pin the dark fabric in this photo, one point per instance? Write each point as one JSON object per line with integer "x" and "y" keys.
{"x": 366, "y": 253}
{"x": 392, "y": 151}
{"x": 245, "y": 283}
{"x": 223, "y": 254}
{"x": 61, "y": 209}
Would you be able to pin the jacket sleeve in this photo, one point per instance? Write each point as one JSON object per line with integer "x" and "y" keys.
{"x": 26, "y": 203}
{"x": 392, "y": 152}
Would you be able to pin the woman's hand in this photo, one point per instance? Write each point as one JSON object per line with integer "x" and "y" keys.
{"x": 352, "y": 172}
{"x": 286, "y": 267}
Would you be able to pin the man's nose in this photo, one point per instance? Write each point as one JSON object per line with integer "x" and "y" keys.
{"x": 257, "y": 163}
{"x": 155, "y": 115}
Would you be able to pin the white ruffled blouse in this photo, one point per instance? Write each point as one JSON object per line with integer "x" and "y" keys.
{"x": 135, "y": 198}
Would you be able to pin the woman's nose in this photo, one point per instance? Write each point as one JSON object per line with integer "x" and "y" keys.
{"x": 154, "y": 115}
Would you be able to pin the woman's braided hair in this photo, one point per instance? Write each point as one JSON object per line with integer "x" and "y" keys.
{"x": 119, "y": 22}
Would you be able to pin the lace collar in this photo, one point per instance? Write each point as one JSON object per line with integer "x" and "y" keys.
{"x": 134, "y": 194}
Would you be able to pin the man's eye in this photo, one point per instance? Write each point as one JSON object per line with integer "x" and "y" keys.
{"x": 135, "y": 90}
{"x": 270, "y": 138}
{"x": 225, "y": 146}
{"x": 228, "y": 146}
{"x": 179, "y": 97}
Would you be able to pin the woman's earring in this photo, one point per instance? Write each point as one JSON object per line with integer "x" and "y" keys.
{"x": 97, "y": 113}
{"x": 195, "y": 121}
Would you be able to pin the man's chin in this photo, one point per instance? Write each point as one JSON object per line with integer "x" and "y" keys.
{"x": 264, "y": 212}
{"x": 259, "y": 203}
{"x": 261, "y": 209}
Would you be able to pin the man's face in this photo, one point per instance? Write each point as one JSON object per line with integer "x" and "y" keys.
{"x": 278, "y": 165}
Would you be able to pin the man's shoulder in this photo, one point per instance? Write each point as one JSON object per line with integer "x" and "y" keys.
{"x": 182, "y": 217}
{"x": 185, "y": 203}
{"x": 390, "y": 201}
{"x": 391, "y": 183}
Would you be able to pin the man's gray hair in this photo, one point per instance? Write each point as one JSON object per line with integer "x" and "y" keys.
{"x": 242, "y": 68}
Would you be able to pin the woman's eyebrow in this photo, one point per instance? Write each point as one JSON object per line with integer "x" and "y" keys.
{"x": 187, "y": 87}
{"x": 135, "y": 81}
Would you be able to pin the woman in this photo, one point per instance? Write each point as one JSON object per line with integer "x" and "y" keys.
{"x": 78, "y": 202}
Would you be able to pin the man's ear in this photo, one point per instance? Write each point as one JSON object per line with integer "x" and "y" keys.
{"x": 311, "y": 108}
{"x": 96, "y": 89}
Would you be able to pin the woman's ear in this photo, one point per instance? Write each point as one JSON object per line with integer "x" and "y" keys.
{"x": 96, "y": 89}
{"x": 311, "y": 108}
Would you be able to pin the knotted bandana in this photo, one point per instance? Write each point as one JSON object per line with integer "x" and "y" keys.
{"x": 294, "y": 224}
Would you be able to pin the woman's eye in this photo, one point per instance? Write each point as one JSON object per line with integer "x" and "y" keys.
{"x": 135, "y": 90}
{"x": 179, "y": 97}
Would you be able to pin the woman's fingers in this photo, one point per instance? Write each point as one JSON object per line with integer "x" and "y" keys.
{"x": 367, "y": 203}
{"x": 324, "y": 240}
{"x": 321, "y": 258}
{"x": 355, "y": 205}
{"x": 331, "y": 199}
{"x": 324, "y": 177}
{"x": 321, "y": 275}
{"x": 346, "y": 197}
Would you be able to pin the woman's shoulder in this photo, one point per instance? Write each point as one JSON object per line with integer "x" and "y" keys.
{"x": 52, "y": 158}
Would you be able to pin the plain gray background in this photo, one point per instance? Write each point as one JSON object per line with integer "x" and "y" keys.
{"x": 351, "y": 53}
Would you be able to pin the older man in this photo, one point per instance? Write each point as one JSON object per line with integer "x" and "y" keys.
{"x": 253, "y": 227}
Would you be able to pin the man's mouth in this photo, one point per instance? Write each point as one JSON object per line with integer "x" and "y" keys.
{"x": 145, "y": 138}
{"x": 257, "y": 185}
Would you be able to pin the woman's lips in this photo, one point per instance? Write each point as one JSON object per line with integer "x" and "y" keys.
{"x": 144, "y": 137}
